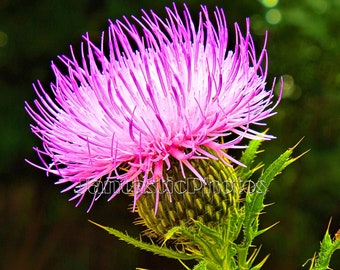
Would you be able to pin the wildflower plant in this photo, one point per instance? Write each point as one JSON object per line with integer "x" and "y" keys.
{"x": 158, "y": 107}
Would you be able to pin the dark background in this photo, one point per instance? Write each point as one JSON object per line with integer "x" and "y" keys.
{"x": 40, "y": 229}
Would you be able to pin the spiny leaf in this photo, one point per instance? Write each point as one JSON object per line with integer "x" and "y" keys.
{"x": 162, "y": 251}
{"x": 255, "y": 205}
{"x": 247, "y": 159}
{"x": 254, "y": 201}
{"x": 207, "y": 248}
{"x": 171, "y": 233}
{"x": 327, "y": 248}
{"x": 213, "y": 234}
{"x": 205, "y": 265}
{"x": 249, "y": 154}
{"x": 201, "y": 266}
{"x": 266, "y": 229}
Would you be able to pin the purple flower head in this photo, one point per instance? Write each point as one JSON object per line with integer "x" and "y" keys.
{"x": 166, "y": 90}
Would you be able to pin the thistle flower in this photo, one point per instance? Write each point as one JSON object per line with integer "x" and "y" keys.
{"x": 165, "y": 91}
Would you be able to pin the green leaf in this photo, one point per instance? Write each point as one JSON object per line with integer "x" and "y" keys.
{"x": 201, "y": 266}
{"x": 266, "y": 229}
{"x": 171, "y": 233}
{"x": 207, "y": 248}
{"x": 254, "y": 205}
{"x": 162, "y": 251}
{"x": 211, "y": 233}
{"x": 247, "y": 159}
{"x": 205, "y": 265}
{"x": 254, "y": 201}
{"x": 327, "y": 248}
{"x": 250, "y": 153}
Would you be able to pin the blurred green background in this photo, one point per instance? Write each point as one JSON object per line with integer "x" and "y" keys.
{"x": 40, "y": 229}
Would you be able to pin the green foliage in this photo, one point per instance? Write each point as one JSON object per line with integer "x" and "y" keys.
{"x": 220, "y": 247}
{"x": 201, "y": 266}
{"x": 328, "y": 246}
{"x": 162, "y": 251}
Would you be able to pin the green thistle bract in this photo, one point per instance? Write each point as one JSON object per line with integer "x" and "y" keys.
{"x": 182, "y": 201}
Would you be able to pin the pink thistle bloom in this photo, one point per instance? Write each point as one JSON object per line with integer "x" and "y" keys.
{"x": 169, "y": 91}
